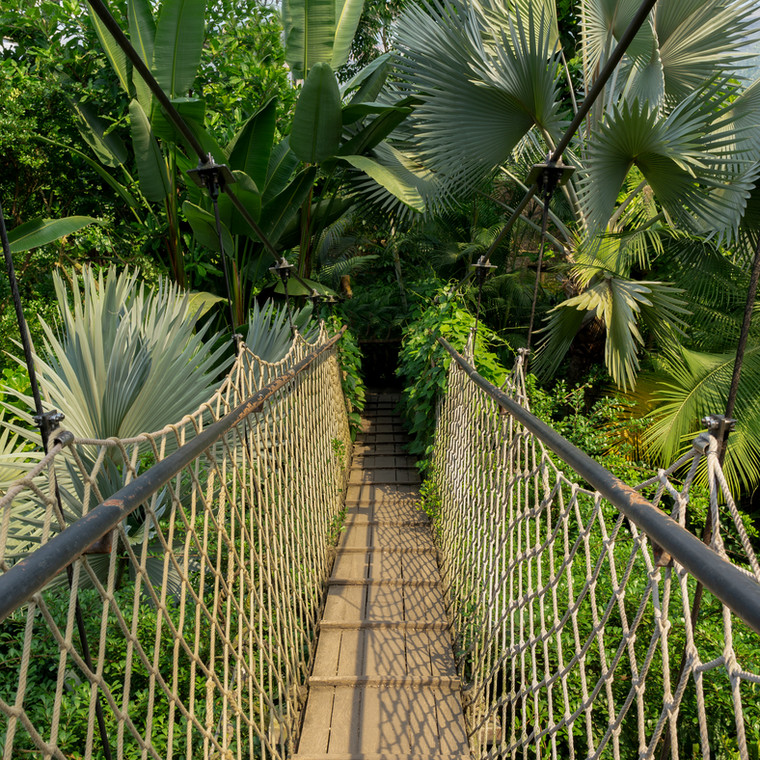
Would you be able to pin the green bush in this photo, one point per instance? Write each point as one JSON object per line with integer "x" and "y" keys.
{"x": 423, "y": 363}
{"x": 350, "y": 359}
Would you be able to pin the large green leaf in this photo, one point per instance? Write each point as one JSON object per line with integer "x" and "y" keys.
{"x": 204, "y": 228}
{"x": 107, "y": 146}
{"x": 296, "y": 288}
{"x": 246, "y": 191}
{"x": 282, "y": 164}
{"x": 309, "y": 29}
{"x": 317, "y": 121}
{"x": 192, "y": 111}
{"x": 151, "y": 165}
{"x": 276, "y": 214}
{"x": 178, "y": 44}
{"x": 142, "y": 32}
{"x": 114, "y": 53}
{"x": 347, "y": 15}
{"x": 369, "y": 80}
{"x": 322, "y": 214}
{"x": 201, "y": 302}
{"x": 377, "y": 129}
{"x": 394, "y": 181}
{"x": 251, "y": 147}
{"x": 39, "y": 232}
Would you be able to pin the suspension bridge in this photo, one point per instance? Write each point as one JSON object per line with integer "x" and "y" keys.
{"x": 259, "y": 586}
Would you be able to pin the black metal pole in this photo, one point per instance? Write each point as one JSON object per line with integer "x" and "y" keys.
{"x": 47, "y": 422}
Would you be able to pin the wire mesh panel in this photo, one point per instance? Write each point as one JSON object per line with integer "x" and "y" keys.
{"x": 187, "y": 630}
{"x": 575, "y": 637}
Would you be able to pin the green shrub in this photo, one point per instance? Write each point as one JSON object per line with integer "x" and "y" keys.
{"x": 423, "y": 363}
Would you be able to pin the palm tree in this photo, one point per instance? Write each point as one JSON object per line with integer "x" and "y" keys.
{"x": 671, "y": 142}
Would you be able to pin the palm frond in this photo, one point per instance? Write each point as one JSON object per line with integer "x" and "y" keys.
{"x": 484, "y": 80}
{"x": 269, "y": 335}
{"x": 125, "y": 360}
{"x": 683, "y": 157}
{"x": 692, "y": 385}
{"x": 700, "y": 39}
{"x": 622, "y": 305}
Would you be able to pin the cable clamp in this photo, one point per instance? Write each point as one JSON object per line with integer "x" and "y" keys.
{"x": 549, "y": 175}
{"x": 482, "y": 267}
{"x": 282, "y": 269}
{"x": 209, "y": 174}
{"x": 48, "y": 421}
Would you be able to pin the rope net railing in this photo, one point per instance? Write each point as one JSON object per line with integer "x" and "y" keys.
{"x": 574, "y": 634}
{"x": 206, "y": 547}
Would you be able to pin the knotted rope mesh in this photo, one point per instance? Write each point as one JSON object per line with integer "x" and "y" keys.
{"x": 201, "y": 607}
{"x": 571, "y": 640}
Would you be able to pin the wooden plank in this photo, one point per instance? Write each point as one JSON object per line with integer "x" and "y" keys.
{"x": 345, "y": 603}
{"x": 422, "y": 725}
{"x": 441, "y": 653}
{"x": 385, "y": 652}
{"x": 418, "y": 654}
{"x": 419, "y": 567}
{"x": 452, "y": 737}
{"x": 351, "y": 653}
{"x": 385, "y": 722}
{"x": 386, "y": 565}
{"x": 356, "y": 536}
{"x": 328, "y": 653}
{"x": 385, "y": 603}
{"x": 347, "y": 720}
{"x": 351, "y": 565}
{"x": 315, "y": 734}
{"x": 410, "y": 537}
{"x": 423, "y": 603}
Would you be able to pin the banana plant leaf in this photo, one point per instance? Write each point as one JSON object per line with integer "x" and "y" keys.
{"x": 178, "y": 44}
{"x": 39, "y": 232}
{"x": 317, "y": 121}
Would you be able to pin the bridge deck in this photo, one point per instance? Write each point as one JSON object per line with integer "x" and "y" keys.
{"x": 384, "y": 682}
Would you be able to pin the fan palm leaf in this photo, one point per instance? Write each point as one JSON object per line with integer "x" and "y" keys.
{"x": 694, "y": 384}
{"x": 483, "y": 80}
{"x": 125, "y": 360}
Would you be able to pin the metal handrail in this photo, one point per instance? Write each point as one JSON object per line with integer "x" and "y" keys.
{"x": 731, "y": 585}
{"x": 32, "y": 573}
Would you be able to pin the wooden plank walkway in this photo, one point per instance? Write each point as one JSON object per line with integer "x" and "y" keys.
{"x": 384, "y": 684}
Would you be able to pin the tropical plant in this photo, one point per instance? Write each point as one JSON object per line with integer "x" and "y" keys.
{"x": 671, "y": 138}
{"x": 270, "y": 335}
{"x": 423, "y": 362}
{"x": 125, "y": 361}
